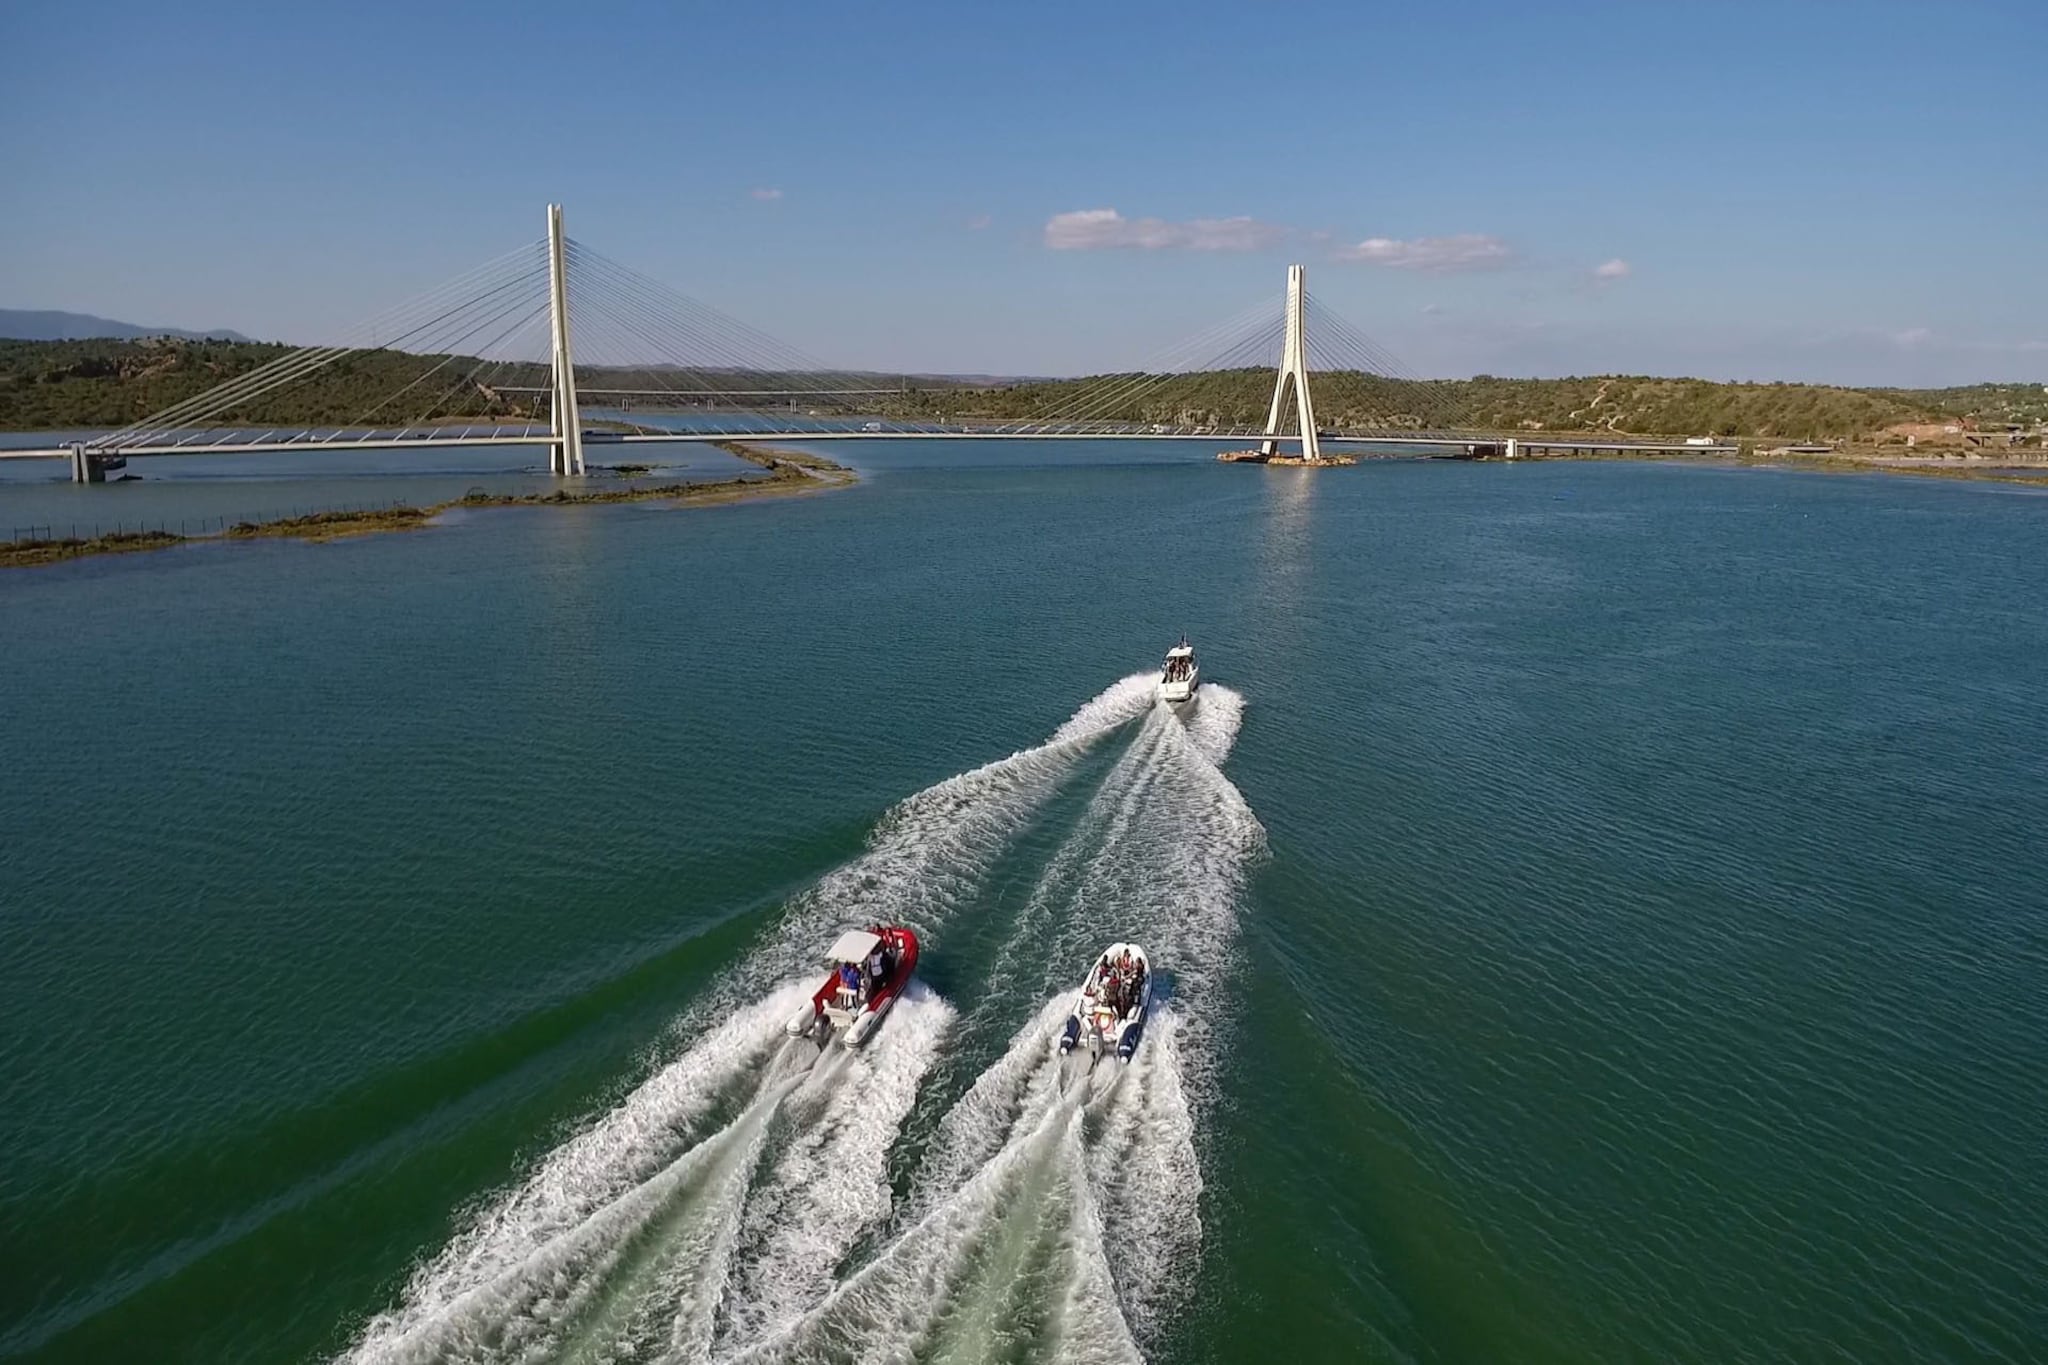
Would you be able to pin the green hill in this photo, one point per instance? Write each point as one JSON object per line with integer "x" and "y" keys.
{"x": 1618, "y": 404}
{"x": 51, "y": 385}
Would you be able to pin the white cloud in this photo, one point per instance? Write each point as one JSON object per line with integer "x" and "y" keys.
{"x": 767, "y": 194}
{"x": 979, "y": 221}
{"x": 1616, "y": 269}
{"x": 1106, "y": 229}
{"x": 1912, "y": 336}
{"x": 1437, "y": 255}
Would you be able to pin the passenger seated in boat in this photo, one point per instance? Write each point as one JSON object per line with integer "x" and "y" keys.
{"x": 849, "y": 984}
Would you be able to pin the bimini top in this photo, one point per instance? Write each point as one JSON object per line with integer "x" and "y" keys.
{"x": 853, "y": 946}
{"x": 1183, "y": 650}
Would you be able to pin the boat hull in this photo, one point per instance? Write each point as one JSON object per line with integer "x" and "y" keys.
{"x": 824, "y": 1017}
{"x": 1092, "y": 1029}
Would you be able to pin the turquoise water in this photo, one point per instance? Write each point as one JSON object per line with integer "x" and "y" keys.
{"x": 1603, "y": 907}
{"x": 201, "y": 494}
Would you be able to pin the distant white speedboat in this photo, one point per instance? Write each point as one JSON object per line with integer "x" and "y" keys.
{"x": 1180, "y": 675}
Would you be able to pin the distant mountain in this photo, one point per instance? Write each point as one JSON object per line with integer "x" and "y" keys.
{"x": 22, "y": 324}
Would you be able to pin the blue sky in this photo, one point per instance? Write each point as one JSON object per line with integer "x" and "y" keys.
{"x": 1838, "y": 191}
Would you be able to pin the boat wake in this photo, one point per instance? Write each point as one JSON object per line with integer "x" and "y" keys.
{"x": 722, "y": 1193}
{"x": 557, "y": 1271}
{"x": 1057, "y": 1214}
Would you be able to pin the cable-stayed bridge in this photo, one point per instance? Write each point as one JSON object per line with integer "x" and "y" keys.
{"x": 557, "y": 345}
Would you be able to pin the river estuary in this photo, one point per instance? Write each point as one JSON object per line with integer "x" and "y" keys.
{"x": 1605, "y": 909}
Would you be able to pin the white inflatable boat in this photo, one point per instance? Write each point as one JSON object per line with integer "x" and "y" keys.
{"x": 1109, "y": 1014}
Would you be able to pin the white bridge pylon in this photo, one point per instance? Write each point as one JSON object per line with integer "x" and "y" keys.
{"x": 1294, "y": 367}
{"x": 565, "y": 451}
{"x": 471, "y": 362}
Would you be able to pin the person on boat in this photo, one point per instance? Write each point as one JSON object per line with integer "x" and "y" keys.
{"x": 849, "y": 982}
{"x": 878, "y": 967}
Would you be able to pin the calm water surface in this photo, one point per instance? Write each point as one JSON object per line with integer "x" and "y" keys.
{"x": 198, "y": 494}
{"x": 1603, "y": 906}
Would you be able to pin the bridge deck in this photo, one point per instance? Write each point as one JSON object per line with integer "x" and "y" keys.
{"x": 265, "y": 445}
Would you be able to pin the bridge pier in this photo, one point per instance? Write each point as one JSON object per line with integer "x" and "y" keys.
{"x": 89, "y": 466}
{"x": 1294, "y": 366}
{"x": 565, "y": 452}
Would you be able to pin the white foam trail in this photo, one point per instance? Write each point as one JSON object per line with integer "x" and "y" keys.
{"x": 643, "y": 1148}
{"x": 1146, "y": 1178}
{"x": 830, "y": 1184}
{"x": 1218, "y": 715}
{"x": 1109, "y": 855}
{"x": 543, "y": 1246}
{"x": 1097, "y": 841}
{"x": 1158, "y": 858}
{"x": 1013, "y": 1095}
{"x": 930, "y": 852}
{"x": 1172, "y": 880}
{"x": 1139, "y": 1156}
{"x": 1174, "y": 888}
{"x": 655, "y": 1262}
{"x": 1010, "y": 1264}
{"x": 1123, "y": 700}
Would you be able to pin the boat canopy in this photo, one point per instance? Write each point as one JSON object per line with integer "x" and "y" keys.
{"x": 853, "y": 946}
{"x": 1181, "y": 651}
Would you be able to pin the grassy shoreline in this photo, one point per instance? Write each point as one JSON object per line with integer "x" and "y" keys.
{"x": 793, "y": 472}
{"x": 790, "y": 473}
{"x": 1845, "y": 460}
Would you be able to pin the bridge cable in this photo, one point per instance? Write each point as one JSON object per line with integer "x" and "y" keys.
{"x": 410, "y": 319}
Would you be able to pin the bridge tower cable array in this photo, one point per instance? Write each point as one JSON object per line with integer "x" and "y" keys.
{"x": 558, "y": 325}
{"x": 441, "y": 350}
{"x": 1294, "y": 370}
{"x": 565, "y": 452}
{"x": 1374, "y": 390}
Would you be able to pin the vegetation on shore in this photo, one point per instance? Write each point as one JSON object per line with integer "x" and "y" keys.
{"x": 1611, "y": 405}
{"x": 21, "y": 553}
{"x": 788, "y": 472}
{"x": 1844, "y": 460}
{"x": 56, "y": 385}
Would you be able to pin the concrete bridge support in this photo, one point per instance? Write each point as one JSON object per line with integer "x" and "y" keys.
{"x": 1294, "y": 366}
{"x": 89, "y": 466}
{"x": 565, "y": 450}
